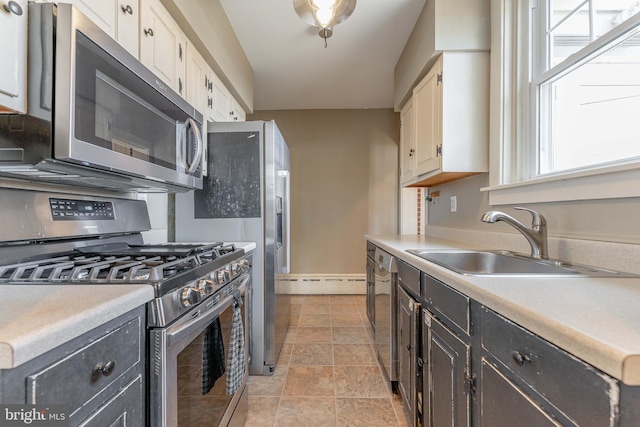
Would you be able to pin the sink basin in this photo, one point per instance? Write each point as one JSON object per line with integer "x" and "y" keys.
{"x": 505, "y": 263}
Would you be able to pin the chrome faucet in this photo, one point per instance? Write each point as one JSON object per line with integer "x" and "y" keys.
{"x": 536, "y": 235}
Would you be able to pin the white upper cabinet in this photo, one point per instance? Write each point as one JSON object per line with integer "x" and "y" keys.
{"x": 128, "y": 26}
{"x": 407, "y": 142}
{"x": 13, "y": 64}
{"x": 427, "y": 131}
{"x": 221, "y": 101}
{"x": 222, "y": 106}
{"x": 197, "y": 81}
{"x": 102, "y": 13}
{"x": 237, "y": 113}
{"x": 118, "y": 18}
{"x": 451, "y": 120}
{"x": 162, "y": 45}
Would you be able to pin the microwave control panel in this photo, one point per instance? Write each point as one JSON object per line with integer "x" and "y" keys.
{"x": 80, "y": 210}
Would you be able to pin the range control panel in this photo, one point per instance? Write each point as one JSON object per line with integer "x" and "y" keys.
{"x": 80, "y": 210}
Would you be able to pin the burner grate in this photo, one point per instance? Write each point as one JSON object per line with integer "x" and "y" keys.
{"x": 140, "y": 265}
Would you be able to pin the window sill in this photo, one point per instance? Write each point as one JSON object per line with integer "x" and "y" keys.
{"x": 611, "y": 182}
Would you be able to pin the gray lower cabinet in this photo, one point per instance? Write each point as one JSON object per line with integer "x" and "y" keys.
{"x": 447, "y": 381}
{"x": 371, "y": 290}
{"x": 408, "y": 342}
{"x": 99, "y": 375}
{"x": 408, "y": 345}
{"x": 526, "y": 377}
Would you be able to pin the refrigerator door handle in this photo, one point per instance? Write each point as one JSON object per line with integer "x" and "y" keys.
{"x": 284, "y": 208}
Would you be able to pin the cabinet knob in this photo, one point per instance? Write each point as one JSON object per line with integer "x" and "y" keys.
{"x": 127, "y": 9}
{"x": 149, "y": 32}
{"x": 520, "y": 358}
{"x": 12, "y": 7}
{"x": 104, "y": 369}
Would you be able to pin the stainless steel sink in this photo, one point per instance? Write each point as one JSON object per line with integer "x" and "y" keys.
{"x": 505, "y": 263}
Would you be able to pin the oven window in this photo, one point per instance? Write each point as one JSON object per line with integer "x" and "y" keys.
{"x": 194, "y": 407}
{"x": 118, "y": 111}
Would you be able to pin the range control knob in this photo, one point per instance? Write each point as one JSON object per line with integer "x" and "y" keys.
{"x": 222, "y": 277}
{"x": 189, "y": 296}
{"x": 205, "y": 286}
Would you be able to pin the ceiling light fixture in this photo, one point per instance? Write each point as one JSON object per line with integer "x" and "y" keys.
{"x": 324, "y": 14}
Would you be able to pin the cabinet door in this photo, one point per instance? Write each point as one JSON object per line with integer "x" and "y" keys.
{"x": 125, "y": 409}
{"x": 371, "y": 291}
{"x": 102, "y": 13}
{"x": 504, "y": 404}
{"x": 407, "y": 145}
{"x": 128, "y": 26}
{"x": 408, "y": 326}
{"x": 427, "y": 107}
{"x": 446, "y": 376}
{"x": 13, "y": 69}
{"x": 237, "y": 113}
{"x": 162, "y": 44}
{"x": 197, "y": 80}
{"x": 221, "y": 101}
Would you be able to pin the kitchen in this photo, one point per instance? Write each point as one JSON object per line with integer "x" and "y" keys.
{"x": 597, "y": 228}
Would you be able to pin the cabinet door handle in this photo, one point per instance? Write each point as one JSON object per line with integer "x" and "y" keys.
{"x": 180, "y": 51}
{"x": 149, "y": 32}
{"x": 13, "y": 7}
{"x": 180, "y": 85}
{"x": 127, "y": 9}
{"x": 411, "y": 152}
{"x": 520, "y": 358}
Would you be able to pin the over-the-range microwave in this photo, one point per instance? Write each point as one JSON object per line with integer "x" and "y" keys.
{"x": 96, "y": 116}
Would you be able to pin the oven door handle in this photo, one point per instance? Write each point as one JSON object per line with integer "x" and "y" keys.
{"x": 196, "y": 323}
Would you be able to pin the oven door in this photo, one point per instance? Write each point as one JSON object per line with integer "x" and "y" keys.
{"x": 177, "y": 396}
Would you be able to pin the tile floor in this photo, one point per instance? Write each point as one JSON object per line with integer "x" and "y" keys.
{"x": 327, "y": 374}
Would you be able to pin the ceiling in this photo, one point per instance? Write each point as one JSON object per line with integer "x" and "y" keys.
{"x": 293, "y": 69}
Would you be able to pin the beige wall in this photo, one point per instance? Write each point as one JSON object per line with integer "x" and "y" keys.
{"x": 614, "y": 220}
{"x": 343, "y": 184}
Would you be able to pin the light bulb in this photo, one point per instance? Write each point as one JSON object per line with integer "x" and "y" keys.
{"x": 324, "y": 16}
{"x": 324, "y": 4}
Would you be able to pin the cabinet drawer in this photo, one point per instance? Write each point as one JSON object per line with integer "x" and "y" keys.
{"x": 123, "y": 410}
{"x": 449, "y": 305}
{"x": 576, "y": 389}
{"x": 77, "y": 379}
{"x": 409, "y": 278}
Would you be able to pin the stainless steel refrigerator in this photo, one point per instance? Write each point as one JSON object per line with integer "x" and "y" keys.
{"x": 246, "y": 197}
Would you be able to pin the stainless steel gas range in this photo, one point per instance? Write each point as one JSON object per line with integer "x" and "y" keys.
{"x": 202, "y": 294}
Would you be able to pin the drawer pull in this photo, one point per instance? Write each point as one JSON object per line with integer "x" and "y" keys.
{"x": 520, "y": 358}
{"x": 105, "y": 369}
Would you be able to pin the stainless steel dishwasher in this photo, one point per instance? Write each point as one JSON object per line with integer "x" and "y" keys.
{"x": 386, "y": 314}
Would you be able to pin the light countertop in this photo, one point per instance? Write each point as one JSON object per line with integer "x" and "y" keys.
{"x": 37, "y": 318}
{"x": 595, "y": 319}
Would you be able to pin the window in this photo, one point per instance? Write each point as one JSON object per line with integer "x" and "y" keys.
{"x": 586, "y": 83}
{"x": 568, "y": 96}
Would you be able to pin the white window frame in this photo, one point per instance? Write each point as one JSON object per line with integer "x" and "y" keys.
{"x": 510, "y": 174}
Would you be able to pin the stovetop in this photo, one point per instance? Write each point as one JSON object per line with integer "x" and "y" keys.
{"x": 164, "y": 266}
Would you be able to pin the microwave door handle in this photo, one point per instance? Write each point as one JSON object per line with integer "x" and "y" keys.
{"x": 193, "y": 165}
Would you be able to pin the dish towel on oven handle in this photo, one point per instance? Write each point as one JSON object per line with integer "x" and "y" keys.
{"x": 212, "y": 356}
{"x": 236, "y": 358}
